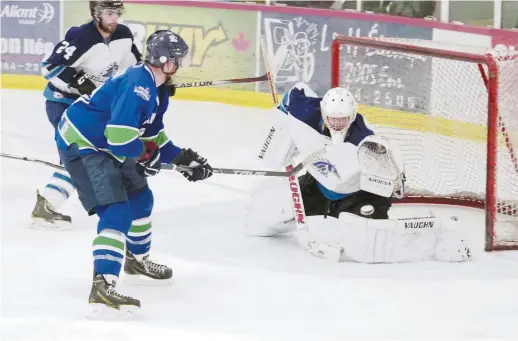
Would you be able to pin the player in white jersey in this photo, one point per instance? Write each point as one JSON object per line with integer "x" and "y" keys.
{"x": 88, "y": 56}
{"x": 345, "y": 197}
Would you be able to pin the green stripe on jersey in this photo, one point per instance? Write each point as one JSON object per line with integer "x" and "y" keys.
{"x": 160, "y": 140}
{"x": 120, "y": 135}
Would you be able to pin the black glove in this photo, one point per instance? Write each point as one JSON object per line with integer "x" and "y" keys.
{"x": 201, "y": 170}
{"x": 171, "y": 88}
{"x": 149, "y": 163}
{"x": 82, "y": 83}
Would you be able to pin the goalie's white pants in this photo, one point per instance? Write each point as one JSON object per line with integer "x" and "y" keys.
{"x": 363, "y": 240}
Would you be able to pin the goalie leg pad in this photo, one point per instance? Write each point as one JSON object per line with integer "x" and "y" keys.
{"x": 269, "y": 209}
{"x": 402, "y": 240}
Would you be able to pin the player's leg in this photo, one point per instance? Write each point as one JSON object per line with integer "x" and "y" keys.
{"x": 315, "y": 203}
{"x": 138, "y": 266}
{"x": 100, "y": 187}
{"x": 58, "y": 189}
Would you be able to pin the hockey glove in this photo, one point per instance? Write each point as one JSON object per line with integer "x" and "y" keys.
{"x": 201, "y": 170}
{"x": 171, "y": 88}
{"x": 82, "y": 83}
{"x": 149, "y": 162}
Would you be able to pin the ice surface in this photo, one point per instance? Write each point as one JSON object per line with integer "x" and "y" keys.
{"x": 228, "y": 286}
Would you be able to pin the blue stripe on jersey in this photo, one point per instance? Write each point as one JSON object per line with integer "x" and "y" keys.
{"x": 49, "y": 94}
{"x": 330, "y": 195}
{"x": 56, "y": 71}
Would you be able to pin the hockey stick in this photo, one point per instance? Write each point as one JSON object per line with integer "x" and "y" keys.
{"x": 232, "y": 171}
{"x": 299, "y": 213}
{"x": 198, "y": 84}
{"x": 24, "y": 158}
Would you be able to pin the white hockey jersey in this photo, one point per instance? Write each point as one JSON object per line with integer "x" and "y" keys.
{"x": 84, "y": 49}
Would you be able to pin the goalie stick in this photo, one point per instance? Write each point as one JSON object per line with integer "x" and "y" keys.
{"x": 198, "y": 84}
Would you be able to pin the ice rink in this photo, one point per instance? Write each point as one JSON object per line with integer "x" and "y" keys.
{"x": 228, "y": 286}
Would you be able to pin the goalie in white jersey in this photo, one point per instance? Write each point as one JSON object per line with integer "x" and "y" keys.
{"x": 88, "y": 56}
{"x": 345, "y": 196}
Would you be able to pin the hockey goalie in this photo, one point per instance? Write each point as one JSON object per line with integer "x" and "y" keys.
{"x": 342, "y": 202}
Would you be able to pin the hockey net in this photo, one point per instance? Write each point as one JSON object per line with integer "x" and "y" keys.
{"x": 453, "y": 111}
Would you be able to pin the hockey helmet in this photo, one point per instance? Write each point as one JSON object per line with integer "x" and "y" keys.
{"x": 97, "y": 6}
{"x": 338, "y": 109}
{"x": 164, "y": 45}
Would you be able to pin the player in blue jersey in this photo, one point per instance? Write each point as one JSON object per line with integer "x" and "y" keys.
{"x": 88, "y": 56}
{"x": 109, "y": 142}
{"x": 334, "y": 115}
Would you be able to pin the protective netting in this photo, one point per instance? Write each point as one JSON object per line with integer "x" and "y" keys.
{"x": 436, "y": 109}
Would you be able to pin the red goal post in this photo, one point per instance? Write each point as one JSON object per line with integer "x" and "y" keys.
{"x": 453, "y": 110}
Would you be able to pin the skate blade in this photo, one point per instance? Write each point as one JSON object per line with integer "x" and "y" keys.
{"x": 100, "y": 311}
{"x": 140, "y": 280}
{"x": 42, "y": 224}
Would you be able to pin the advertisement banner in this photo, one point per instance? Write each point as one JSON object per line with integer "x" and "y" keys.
{"x": 222, "y": 42}
{"x": 30, "y": 29}
{"x": 299, "y": 49}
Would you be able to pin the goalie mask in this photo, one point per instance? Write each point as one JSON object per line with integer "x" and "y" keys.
{"x": 338, "y": 109}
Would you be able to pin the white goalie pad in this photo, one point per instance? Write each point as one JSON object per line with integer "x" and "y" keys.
{"x": 403, "y": 240}
{"x": 382, "y": 167}
{"x": 269, "y": 209}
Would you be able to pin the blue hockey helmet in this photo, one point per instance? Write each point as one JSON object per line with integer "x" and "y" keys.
{"x": 164, "y": 45}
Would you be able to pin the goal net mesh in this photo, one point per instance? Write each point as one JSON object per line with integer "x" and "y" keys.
{"x": 435, "y": 105}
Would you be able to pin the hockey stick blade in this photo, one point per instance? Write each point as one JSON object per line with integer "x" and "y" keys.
{"x": 199, "y": 84}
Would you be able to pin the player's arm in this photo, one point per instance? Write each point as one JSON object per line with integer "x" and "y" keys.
{"x": 122, "y": 129}
{"x": 156, "y": 134}
{"x": 302, "y": 103}
{"x": 60, "y": 66}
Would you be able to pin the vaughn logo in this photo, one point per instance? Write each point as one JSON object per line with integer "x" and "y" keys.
{"x": 380, "y": 181}
{"x": 43, "y": 13}
{"x": 267, "y": 142}
{"x": 325, "y": 167}
{"x": 296, "y": 198}
{"x": 419, "y": 224}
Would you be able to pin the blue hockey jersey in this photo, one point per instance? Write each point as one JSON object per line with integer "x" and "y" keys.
{"x": 304, "y": 104}
{"x": 117, "y": 117}
{"x": 85, "y": 49}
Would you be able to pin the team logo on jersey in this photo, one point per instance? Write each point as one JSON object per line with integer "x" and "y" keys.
{"x": 142, "y": 92}
{"x": 325, "y": 167}
{"x": 105, "y": 73}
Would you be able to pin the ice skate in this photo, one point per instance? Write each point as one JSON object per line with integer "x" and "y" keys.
{"x": 45, "y": 216}
{"x": 107, "y": 302}
{"x": 146, "y": 272}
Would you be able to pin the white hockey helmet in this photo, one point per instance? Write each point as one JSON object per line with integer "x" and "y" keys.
{"x": 338, "y": 109}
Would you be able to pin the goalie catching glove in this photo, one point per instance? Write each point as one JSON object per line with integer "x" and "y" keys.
{"x": 201, "y": 169}
{"x": 149, "y": 162}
